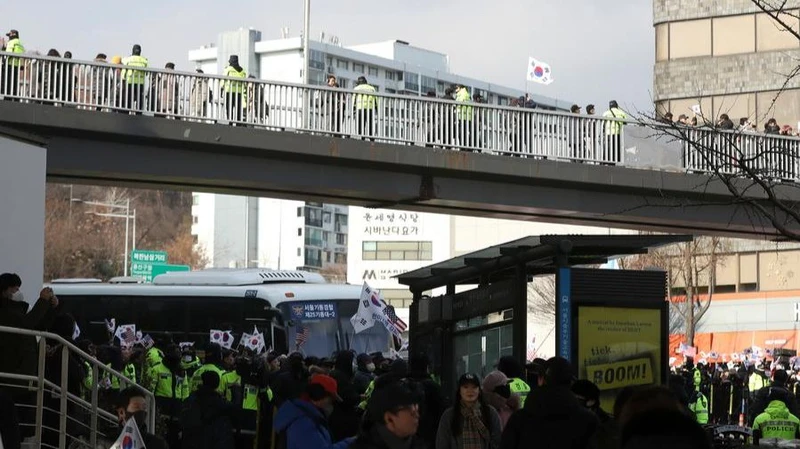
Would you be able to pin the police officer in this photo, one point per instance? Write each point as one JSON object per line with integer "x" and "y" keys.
{"x": 464, "y": 117}
{"x": 12, "y": 65}
{"x": 699, "y": 406}
{"x": 365, "y": 105}
{"x": 243, "y": 389}
{"x": 134, "y": 80}
{"x": 509, "y": 366}
{"x": 776, "y": 422}
{"x": 213, "y": 362}
{"x": 234, "y": 90}
{"x": 775, "y": 392}
{"x": 613, "y": 149}
{"x": 170, "y": 386}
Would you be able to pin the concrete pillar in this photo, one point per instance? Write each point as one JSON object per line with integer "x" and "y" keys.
{"x": 23, "y": 169}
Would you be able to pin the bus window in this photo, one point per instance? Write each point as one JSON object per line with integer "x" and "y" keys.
{"x": 158, "y": 315}
{"x": 214, "y": 313}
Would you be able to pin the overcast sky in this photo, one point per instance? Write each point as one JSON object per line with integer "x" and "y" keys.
{"x": 598, "y": 49}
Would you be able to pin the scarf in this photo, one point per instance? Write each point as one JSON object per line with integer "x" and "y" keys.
{"x": 474, "y": 433}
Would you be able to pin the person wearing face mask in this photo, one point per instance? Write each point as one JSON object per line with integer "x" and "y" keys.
{"x": 131, "y": 403}
{"x": 20, "y": 352}
{"x": 470, "y": 423}
{"x": 303, "y": 423}
{"x": 365, "y": 373}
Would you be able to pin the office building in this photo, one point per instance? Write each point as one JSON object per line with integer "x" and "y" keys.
{"x": 727, "y": 57}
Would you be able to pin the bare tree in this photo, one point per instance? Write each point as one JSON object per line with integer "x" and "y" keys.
{"x": 335, "y": 273}
{"x": 691, "y": 269}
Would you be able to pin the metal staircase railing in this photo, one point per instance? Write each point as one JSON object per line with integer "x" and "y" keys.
{"x": 42, "y": 405}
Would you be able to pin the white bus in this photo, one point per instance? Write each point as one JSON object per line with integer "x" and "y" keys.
{"x": 281, "y": 304}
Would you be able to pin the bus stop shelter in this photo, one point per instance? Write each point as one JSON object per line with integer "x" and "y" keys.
{"x": 477, "y": 326}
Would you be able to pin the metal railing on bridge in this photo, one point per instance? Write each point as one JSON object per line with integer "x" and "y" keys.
{"x": 399, "y": 119}
{"x": 47, "y": 406}
{"x": 376, "y": 116}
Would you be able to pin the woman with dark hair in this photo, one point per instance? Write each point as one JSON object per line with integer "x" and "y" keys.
{"x": 470, "y": 423}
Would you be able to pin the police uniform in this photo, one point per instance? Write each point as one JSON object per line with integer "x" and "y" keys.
{"x": 235, "y": 92}
{"x": 776, "y": 422}
{"x": 699, "y": 406}
{"x": 613, "y": 150}
{"x": 365, "y": 106}
{"x": 170, "y": 390}
{"x": 520, "y": 388}
{"x": 134, "y": 81}
{"x": 13, "y": 65}
{"x": 464, "y": 116}
{"x": 197, "y": 377}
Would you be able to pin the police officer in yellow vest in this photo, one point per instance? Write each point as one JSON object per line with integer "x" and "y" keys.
{"x": 364, "y": 105}
{"x": 509, "y": 366}
{"x": 169, "y": 384}
{"x": 776, "y": 422}
{"x": 12, "y": 66}
{"x": 464, "y": 117}
{"x": 134, "y": 80}
{"x": 613, "y": 149}
{"x": 235, "y": 91}
{"x": 213, "y": 362}
{"x": 699, "y": 406}
{"x": 242, "y": 389}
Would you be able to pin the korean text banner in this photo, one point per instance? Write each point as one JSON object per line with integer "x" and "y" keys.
{"x": 619, "y": 347}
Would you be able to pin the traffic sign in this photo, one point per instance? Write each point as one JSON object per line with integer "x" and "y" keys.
{"x": 148, "y": 271}
{"x": 140, "y": 256}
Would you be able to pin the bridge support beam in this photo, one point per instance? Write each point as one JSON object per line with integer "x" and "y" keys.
{"x": 23, "y": 168}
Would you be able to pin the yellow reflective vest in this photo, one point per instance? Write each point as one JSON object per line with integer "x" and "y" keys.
{"x": 521, "y": 388}
{"x": 197, "y": 378}
{"x": 231, "y": 86}
{"x": 463, "y": 111}
{"x": 365, "y": 101}
{"x": 699, "y": 407}
{"x": 164, "y": 384}
{"x": 132, "y": 76}
{"x": 14, "y": 46}
{"x": 614, "y": 128}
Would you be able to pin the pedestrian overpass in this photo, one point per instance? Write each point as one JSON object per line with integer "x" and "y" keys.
{"x": 250, "y": 137}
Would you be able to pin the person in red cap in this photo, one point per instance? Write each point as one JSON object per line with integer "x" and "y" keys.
{"x": 303, "y": 423}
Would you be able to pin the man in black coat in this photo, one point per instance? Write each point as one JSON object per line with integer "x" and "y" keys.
{"x": 552, "y": 416}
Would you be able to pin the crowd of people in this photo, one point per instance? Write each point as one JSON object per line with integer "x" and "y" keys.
{"x": 124, "y": 86}
{"x": 725, "y": 123}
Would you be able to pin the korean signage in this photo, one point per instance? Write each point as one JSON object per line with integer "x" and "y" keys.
{"x": 149, "y": 271}
{"x": 391, "y": 223}
{"x": 381, "y": 275}
{"x": 318, "y": 310}
{"x": 148, "y": 256}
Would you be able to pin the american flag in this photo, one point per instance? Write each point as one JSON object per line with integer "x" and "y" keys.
{"x": 394, "y": 319}
{"x": 128, "y": 336}
{"x": 302, "y": 336}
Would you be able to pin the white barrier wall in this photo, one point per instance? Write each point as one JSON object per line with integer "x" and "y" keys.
{"x": 22, "y": 193}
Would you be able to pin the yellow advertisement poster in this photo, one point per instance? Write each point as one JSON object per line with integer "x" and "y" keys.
{"x": 619, "y": 347}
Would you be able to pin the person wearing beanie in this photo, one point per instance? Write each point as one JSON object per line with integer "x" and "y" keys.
{"x": 498, "y": 394}
{"x": 365, "y": 105}
{"x": 13, "y": 66}
{"x": 134, "y": 80}
{"x": 234, "y": 91}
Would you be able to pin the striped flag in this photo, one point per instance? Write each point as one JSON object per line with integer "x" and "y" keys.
{"x": 302, "y": 336}
{"x": 394, "y": 319}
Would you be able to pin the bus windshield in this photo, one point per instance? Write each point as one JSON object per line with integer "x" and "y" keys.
{"x": 319, "y": 328}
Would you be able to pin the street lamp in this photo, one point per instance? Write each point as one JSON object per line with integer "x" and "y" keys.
{"x": 128, "y": 216}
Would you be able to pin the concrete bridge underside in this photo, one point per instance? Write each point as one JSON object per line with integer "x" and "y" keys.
{"x": 138, "y": 151}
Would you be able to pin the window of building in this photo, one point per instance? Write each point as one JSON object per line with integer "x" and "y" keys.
{"x": 313, "y": 217}
{"x": 341, "y": 239}
{"x": 690, "y": 38}
{"x": 326, "y": 236}
{"x": 734, "y": 35}
{"x": 314, "y": 237}
{"x": 195, "y": 200}
{"x": 358, "y": 67}
{"x": 373, "y": 71}
{"x": 317, "y": 77}
{"x": 343, "y": 82}
{"x": 390, "y": 75}
{"x": 299, "y": 232}
{"x": 662, "y": 42}
{"x": 328, "y": 256}
{"x": 397, "y": 250}
{"x": 390, "y": 91}
{"x": 342, "y": 64}
{"x": 771, "y": 36}
{"x": 313, "y": 257}
{"x": 340, "y": 223}
{"x": 427, "y": 84}
{"x": 299, "y": 252}
{"x": 340, "y": 258}
{"x": 412, "y": 82}
{"x": 195, "y": 239}
{"x": 316, "y": 60}
{"x": 195, "y": 219}
{"x": 299, "y": 211}
{"x": 328, "y": 62}
{"x": 326, "y": 217}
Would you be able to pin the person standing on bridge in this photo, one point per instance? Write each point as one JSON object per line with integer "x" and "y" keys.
{"x": 365, "y": 106}
{"x": 133, "y": 80}
{"x": 234, "y": 90}
{"x": 464, "y": 117}
{"x": 613, "y": 149}
{"x": 12, "y": 66}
